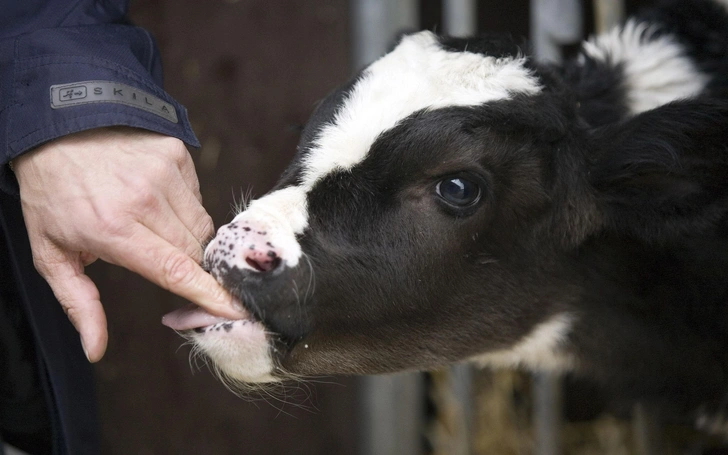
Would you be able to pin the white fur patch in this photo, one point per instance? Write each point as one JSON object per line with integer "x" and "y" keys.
{"x": 418, "y": 74}
{"x": 656, "y": 69}
{"x": 282, "y": 215}
{"x": 286, "y": 206}
{"x": 540, "y": 350}
{"x": 241, "y": 353}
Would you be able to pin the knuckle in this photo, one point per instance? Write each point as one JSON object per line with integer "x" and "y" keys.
{"x": 205, "y": 229}
{"x": 178, "y": 270}
{"x": 68, "y": 303}
{"x": 195, "y": 186}
{"x": 195, "y": 252}
{"x": 75, "y": 314}
{"x": 142, "y": 197}
{"x": 146, "y": 199}
{"x": 219, "y": 295}
{"x": 157, "y": 168}
{"x": 41, "y": 266}
{"x": 72, "y": 313}
{"x": 181, "y": 155}
{"x": 143, "y": 190}
{"x": 111, "y": 224}
{"x": 176, "y": 150}
{"x": 43, "y": 263}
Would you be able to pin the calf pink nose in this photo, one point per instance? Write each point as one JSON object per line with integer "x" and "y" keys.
{"x": 246, "y": 245}
{"x": 261, "y": 260}
{"x": 252, "y": 244}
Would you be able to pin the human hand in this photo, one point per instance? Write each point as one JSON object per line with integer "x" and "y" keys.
{"x": 128, "y": 196}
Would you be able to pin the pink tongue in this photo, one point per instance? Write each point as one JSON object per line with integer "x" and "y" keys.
{"x": 190, "y": 317}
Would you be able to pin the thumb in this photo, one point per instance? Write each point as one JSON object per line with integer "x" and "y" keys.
{"x": 79, "y": 297}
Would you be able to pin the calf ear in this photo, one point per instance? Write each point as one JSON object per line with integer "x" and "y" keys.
{"x": 664, "y": 173}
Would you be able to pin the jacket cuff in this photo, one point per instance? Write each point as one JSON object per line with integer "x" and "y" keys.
{"x": 52, "y": 92}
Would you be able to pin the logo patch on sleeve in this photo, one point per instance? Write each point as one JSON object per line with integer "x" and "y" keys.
{"x": 79, "y": 93}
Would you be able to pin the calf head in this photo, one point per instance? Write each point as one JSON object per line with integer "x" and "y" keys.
{"x": 432, "y": 214}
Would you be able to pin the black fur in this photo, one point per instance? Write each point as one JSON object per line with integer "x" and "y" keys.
{"x": 619, "y": 220}
{"x": 701, "y": 27}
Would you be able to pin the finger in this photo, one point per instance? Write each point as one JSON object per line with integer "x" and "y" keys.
{"x": 160, "y": 262}
{"x": 191, "y": 213}
{"x": 189, "y": 175}
{"x": 165, "y": 222}
{"x": 79, "y": 297}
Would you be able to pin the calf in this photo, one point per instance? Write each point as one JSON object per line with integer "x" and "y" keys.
{"x": 458, "y": 201}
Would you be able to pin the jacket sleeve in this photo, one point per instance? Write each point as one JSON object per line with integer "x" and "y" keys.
{"x": 73, "y": 65}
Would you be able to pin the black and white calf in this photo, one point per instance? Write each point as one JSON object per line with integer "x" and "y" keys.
{"x": 458, "y": 201}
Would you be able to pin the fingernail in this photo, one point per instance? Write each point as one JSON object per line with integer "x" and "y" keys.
{"x": 85, "y": 351}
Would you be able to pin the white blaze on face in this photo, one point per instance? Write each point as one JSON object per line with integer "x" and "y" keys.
{"x": 418, "y": 74}
{"x": 656, "y": 69}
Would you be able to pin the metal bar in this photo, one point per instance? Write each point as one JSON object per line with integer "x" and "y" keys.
{"x": 392, "y": 406}
{"x": 375, "y": 25}
{"x": 547, "y": 413}
{"x": 648, "y": 430}
{"x": 462, "y": 387}
{"x": 450, "y": 422}
{"x": 607, "y": 14}
{"x": 393, "y": 414}
{"x": 460, "y": 17}
{"x": 553, "y": 24}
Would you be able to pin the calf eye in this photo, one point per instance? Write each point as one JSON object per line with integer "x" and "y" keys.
{"x": 458, "y": 191}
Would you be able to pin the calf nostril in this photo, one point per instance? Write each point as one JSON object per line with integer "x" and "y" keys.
{"x": 261, "y": 264}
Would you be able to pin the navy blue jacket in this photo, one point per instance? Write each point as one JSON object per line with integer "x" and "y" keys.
{"x": 68, "y": 66}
